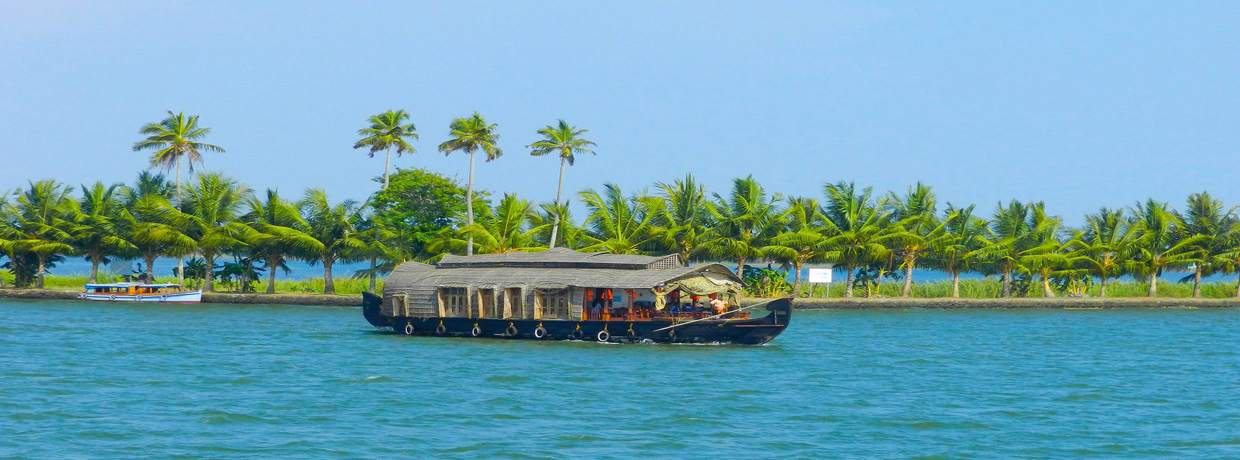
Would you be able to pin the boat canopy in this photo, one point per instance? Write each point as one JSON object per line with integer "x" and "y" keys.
{"x": 552, "y": 284}
{"x": 548, "y": 272}
{"x": 129, "y": 285}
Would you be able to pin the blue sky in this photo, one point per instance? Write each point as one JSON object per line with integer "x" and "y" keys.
{"x": 1081, "y": 105}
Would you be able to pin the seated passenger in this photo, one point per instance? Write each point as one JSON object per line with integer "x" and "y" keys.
{"x": 596, "y": 310}
{"x": 718, "y": 305}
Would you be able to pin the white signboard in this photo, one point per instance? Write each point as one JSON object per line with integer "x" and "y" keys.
{"x": 820, "y": 275}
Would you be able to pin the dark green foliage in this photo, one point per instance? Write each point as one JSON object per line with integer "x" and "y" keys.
{"x": 418, "y": 204}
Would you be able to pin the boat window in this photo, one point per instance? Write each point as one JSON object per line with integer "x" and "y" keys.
{"x": 514, "y": 305}
{"x": 552, "y": 305}
{"x": 455, "y": 301}
{"x": 486, "y": 304}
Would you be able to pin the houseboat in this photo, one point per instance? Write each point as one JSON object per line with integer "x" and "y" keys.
{"x": 140, "y": 292}
{"x": 561, "y": 294}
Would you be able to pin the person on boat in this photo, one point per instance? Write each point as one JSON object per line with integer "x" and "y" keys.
{"x": 718, "y": 304}
{"x": 596, "y": 310}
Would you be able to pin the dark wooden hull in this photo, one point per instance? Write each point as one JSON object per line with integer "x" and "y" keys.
{"x": 754, "y": 331}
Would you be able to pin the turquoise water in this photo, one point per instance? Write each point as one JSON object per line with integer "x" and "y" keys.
{"x": 95, "y": 380}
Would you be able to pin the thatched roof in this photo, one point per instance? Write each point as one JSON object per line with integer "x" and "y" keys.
{"x": 553, "y": 269}
{"x": 560, "y": 258}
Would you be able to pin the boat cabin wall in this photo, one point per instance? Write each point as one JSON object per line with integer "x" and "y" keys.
{"x": 503, "y": 302}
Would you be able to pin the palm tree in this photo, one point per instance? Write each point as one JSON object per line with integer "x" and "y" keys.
{"x": 213, "y": 207}
{"x": 1159, "y": 242}
{"x": 857, "y": 229}
{"x": 387, "y": 131}
{"x": 1020, "y": 230}
{"x": 618, "y": 225}
{"x": 378, "y": 239}
{"x": 174, "y": 139}
{"x": 802, "y": 240}
{"x": 743, "y": 223}
{"x": 43, "y": 223}
{"x": 396, "y": 245}
{"x": 8, "y": 231}
{"x": 915, "y": 212}
{"x": 1106, "y": 245}
{"x": 279, "y": 233}
{"x": 470, "y": 135}
{"x": 1205, "y": 218}
{"x": 333, "y": 227}
{"x": 504, "y": 231}
{"x": 963, "y": 245}
{"x": 565, "y": 141}
{"x": 156, "y": 228}
{"x": 1229, "y": 261}
{"x": 679, "y": 215}
{"x": 1046, "y": 254}
{"x": 147, "y": 221}
{"x": 147, "y": 184}
{"x": 542, "y": 221}
{"x": 1050, "y": 258}
{"x": 96, "y": 233}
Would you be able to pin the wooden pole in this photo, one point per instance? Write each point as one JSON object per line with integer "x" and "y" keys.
{"x": 715, "y": 316}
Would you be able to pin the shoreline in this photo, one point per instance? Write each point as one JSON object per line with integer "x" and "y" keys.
{"x": 884, "y": 303}
{"x": 313, "y": 300}
{"x": 1062, "y": 303}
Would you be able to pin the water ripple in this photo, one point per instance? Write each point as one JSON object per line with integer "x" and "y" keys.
{"x": 264, "y": 381}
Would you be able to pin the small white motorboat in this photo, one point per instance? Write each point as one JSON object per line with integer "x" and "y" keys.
{"x": 140, "y": 292}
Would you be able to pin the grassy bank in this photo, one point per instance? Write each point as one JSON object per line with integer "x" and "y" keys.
{"x": 990, "y": 289}
{"x": 969, "y": 289}
{"x": 344, "y": 286}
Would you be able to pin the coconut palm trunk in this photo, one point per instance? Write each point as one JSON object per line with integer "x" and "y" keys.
{"x": 955, "y": 284}
{"x": 150, "y": 268}
{"x": 1102, "y": 291}
{"x": 94, "y": 269}
{"x": 1007, "y": 284}
{"x": 1153, "y": 291}
{"x": 1197, "y": 281}
{"x": 848, "y": 283}
{"x": 329, "y": 285}
{"x": 42, "y": 268}
{"x": 555, "y": 227}
{"x": 469, "y": 206}
{"x": 209, "y": 261}
{"x": 796, "y": 279}
{"x": 1238, "y": 286}
{"x": 387, "y": 166}
{"x": 373, "y": 263}
{"x": 271, "y": 278}
{"x": 180, "y": 260}
{"x": 1046, "y": 285}
{"x": 908, "y": 279}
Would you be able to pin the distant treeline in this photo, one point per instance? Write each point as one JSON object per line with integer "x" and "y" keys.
{"x": 421, "y": 215}
{"x": 418, "y": 215}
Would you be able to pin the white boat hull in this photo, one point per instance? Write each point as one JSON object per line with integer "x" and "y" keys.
{"x": 179, "y": 297}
